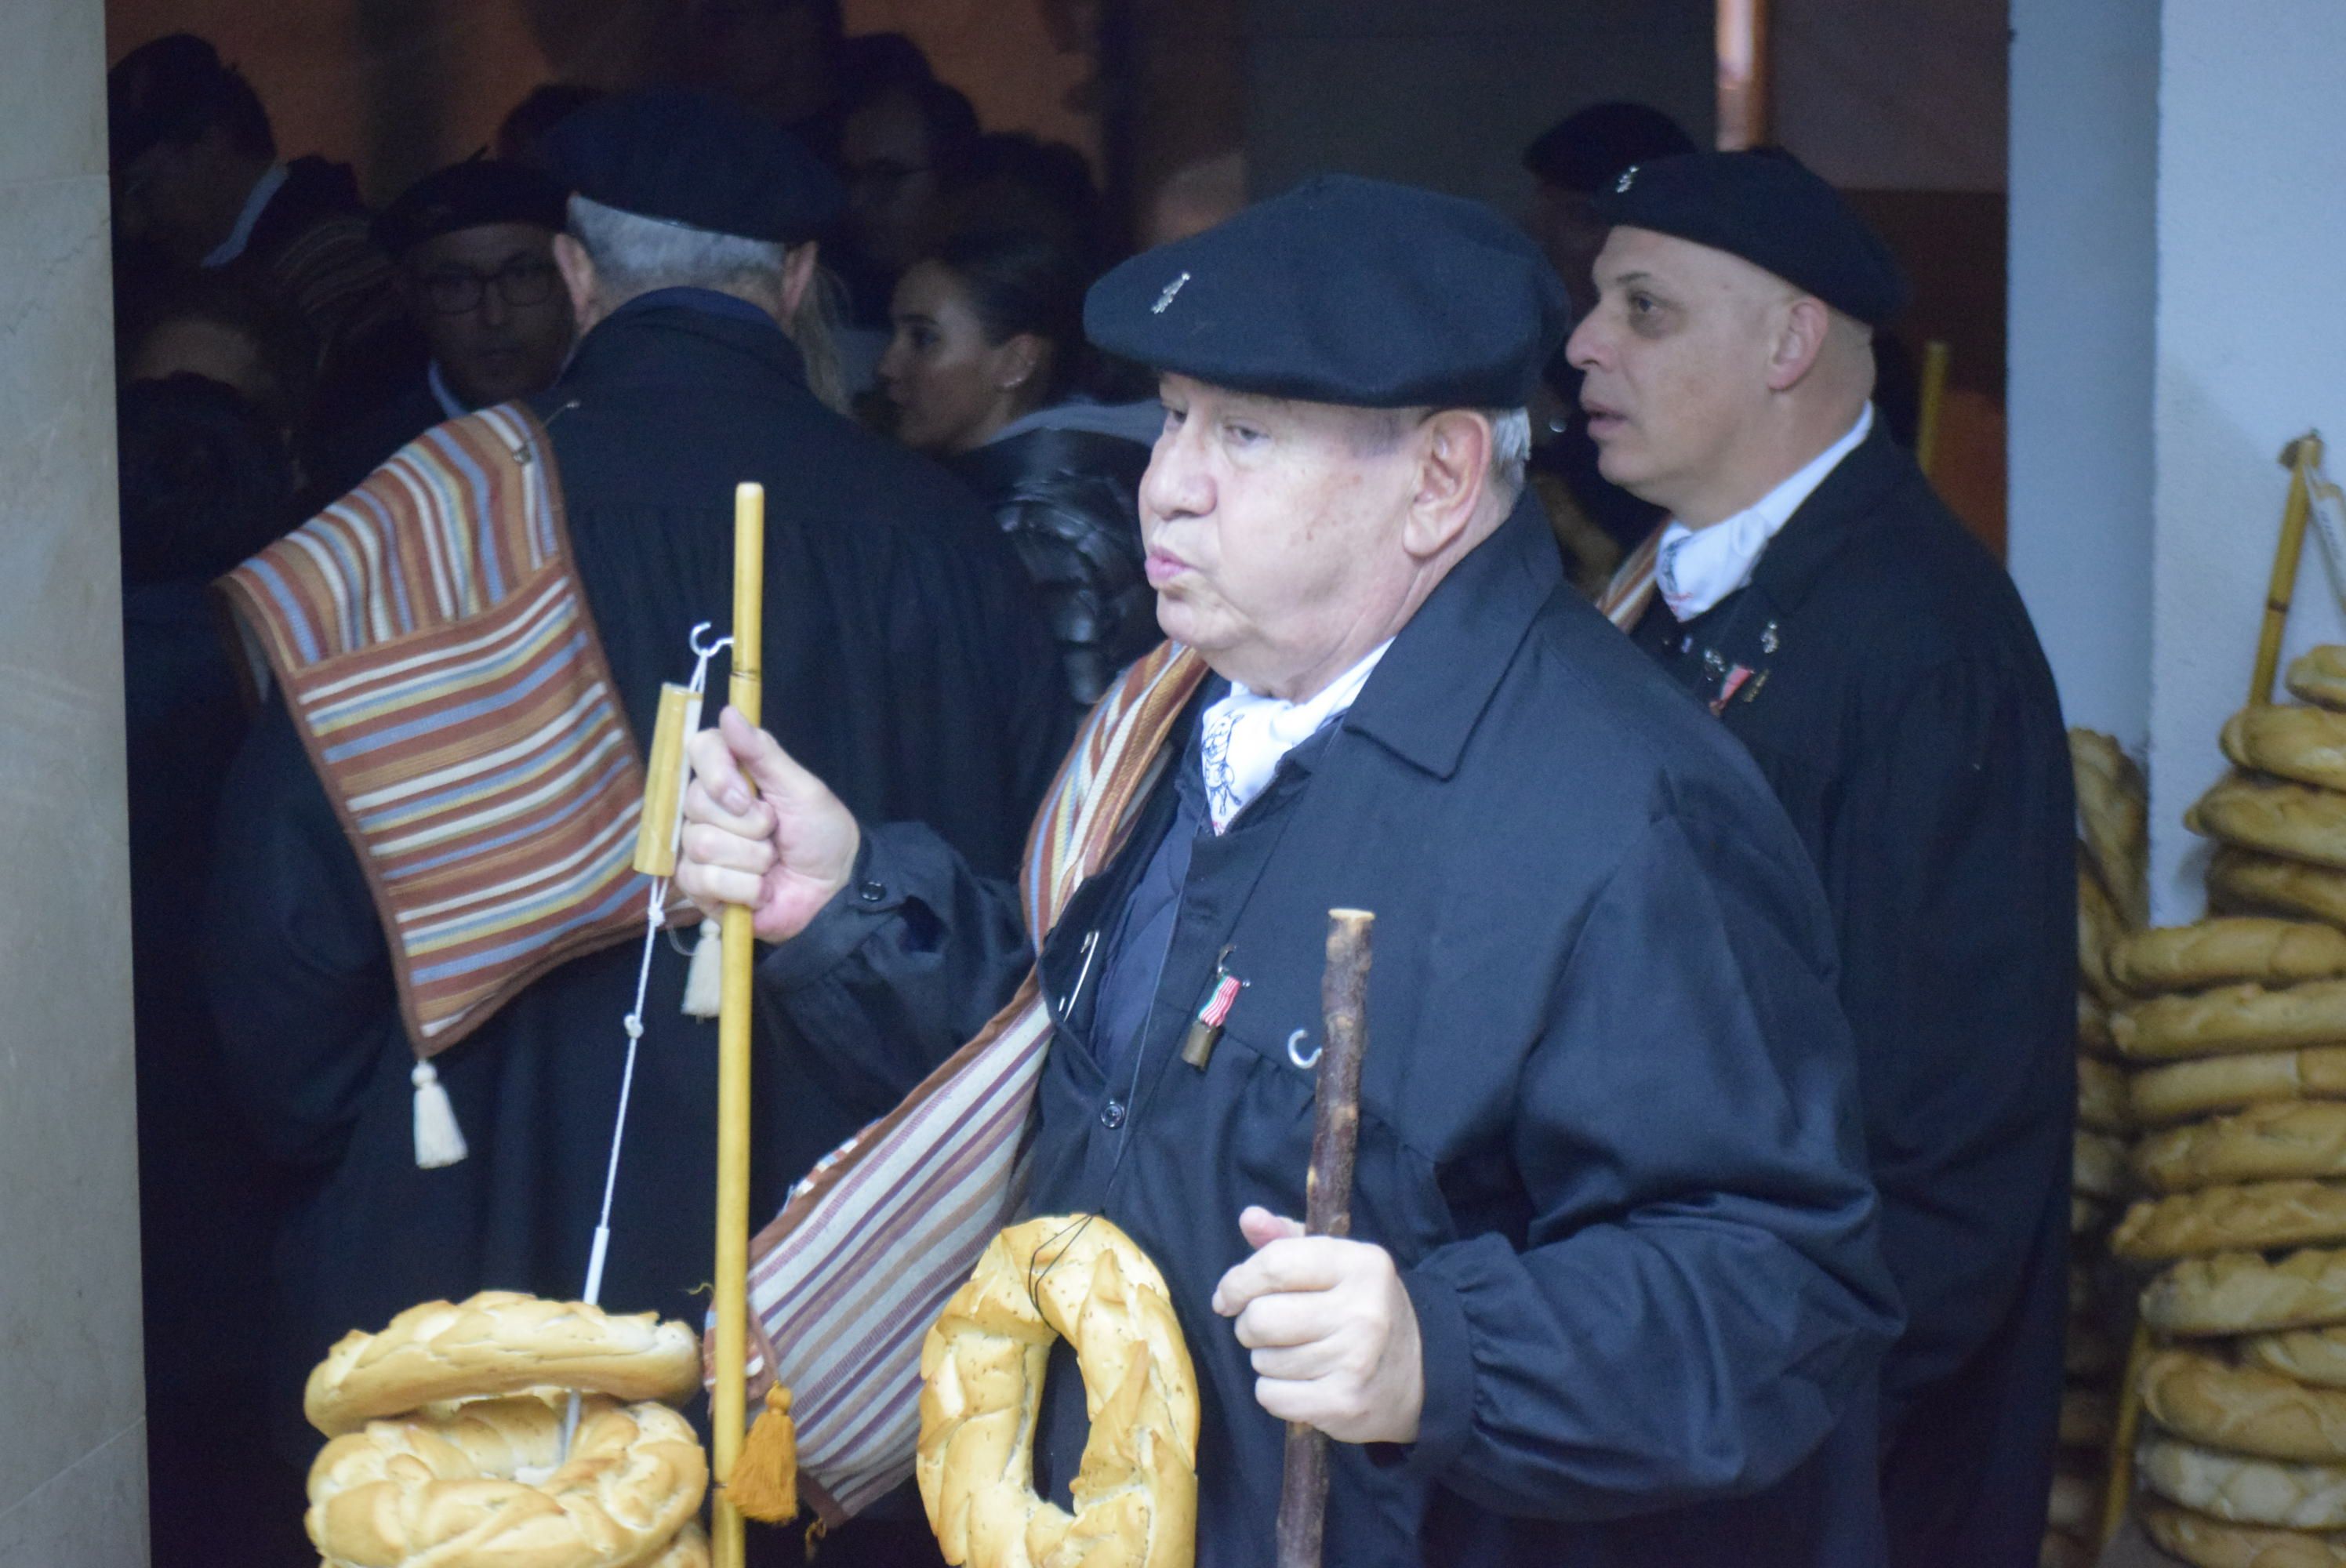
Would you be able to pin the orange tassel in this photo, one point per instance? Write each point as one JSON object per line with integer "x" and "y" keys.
{"x": 765, "y": 1481}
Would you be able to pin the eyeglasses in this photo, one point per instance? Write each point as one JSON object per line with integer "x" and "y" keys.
{"x": 456, "y": 291}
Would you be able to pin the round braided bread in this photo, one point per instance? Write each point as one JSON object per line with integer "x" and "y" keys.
{"x": 2309, "y": 1355}
{"x": 2229, "y": 1018}
{"x": 483, "y": 1487}
{"x": 2244, "y": 1490}
{"x": 2101, "y": 1096}
{"x": 2318, "y": 675}
{"x": 2275, "y": 815}
{"x": 2307, "y": 743}
{"x": 2206, "y": 1542}
{"x": 2097, "y": 1163}
{"x": 2240, "y": 1293}
{"x": 2245, "y": 1410}
{"x": 1081, "y": 1279}
{"x": 2241, "y": 879}
{"x": 498, "y": 1342}
{"x": 2226, "y": 950}
{"x": 2258, "y": 1217}
{"x": 2264, "y": 1143}
{"x": 2170, "y": 1094}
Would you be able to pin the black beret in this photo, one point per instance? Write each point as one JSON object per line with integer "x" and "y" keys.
{"x": 1772, "y": 210}
{"x": 170, "y": 90}
{"x": 1343, "y": 290}
{"x": 697, "y": 159}
{"x": 1588, "y": 149}
{"x": 467, "y": 196}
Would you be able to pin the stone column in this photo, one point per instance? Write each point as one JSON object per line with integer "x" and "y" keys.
{"x": 73, "y": 1488}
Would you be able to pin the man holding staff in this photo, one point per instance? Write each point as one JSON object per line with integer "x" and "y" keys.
{"x": 1612, "y": 1293}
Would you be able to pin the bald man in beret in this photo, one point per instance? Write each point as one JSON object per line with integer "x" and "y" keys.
{"x": 1814, "y": 593}
{"x": 1611, "y": 1294}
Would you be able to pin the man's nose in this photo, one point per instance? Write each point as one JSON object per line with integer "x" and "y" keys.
{"x": 1177, "y": 484}
{"x": 1586, "y": 344}
{"x": 494, "y": 309}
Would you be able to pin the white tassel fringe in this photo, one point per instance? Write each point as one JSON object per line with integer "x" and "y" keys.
{"x": 704, "y": 982}
{"x": 438, "y": 1140}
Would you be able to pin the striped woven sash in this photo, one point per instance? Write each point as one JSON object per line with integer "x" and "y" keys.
{"x": 1625, "y": 598}
{"x": 848, "y": 1277}
{"x": 436, "y": 648}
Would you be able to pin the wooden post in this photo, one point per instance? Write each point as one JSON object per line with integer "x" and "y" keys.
{"x": 2298, "y": 457}
{"x": 1933, "y": 393}
{"x": 1328, "y": 1199}
{"x": 728, "y": 1417}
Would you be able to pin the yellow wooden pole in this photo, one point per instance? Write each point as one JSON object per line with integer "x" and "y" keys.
{"x": 726, "y": 1415}
{"x": 2299, "y": 457}
{"x": 1932, "y": 394}
{"x": 2118, "y": 1487}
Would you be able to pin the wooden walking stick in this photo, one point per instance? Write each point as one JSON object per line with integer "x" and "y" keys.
{"x": 1328, "y": 1199}
{"x": 728, "y": 1392}
{"x": 2299, "y": 457}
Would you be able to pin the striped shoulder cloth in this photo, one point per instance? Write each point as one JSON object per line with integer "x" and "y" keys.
{"x": 433, "y": 643}
{"x": 846, "y": 1280}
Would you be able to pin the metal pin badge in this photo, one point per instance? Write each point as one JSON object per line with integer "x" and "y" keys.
{"x": 1769, "y": 642}
{"x": 1167, "y": 298}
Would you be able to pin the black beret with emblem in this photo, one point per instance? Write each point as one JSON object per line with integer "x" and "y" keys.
{"x": 1772, "y": 210}
{"x": 699, "y": 160}
{"x": 1343, "y": 290}
{"x": 469, "y": 195}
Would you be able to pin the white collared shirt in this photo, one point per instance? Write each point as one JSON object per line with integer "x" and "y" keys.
{"x": 1247, "y": 733}
{"x": 1698, "y": 568}
{"x": 443, "y": 393}
{"x": 256, "y": 202}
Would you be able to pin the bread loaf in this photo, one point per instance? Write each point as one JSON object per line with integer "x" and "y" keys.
{"x": 2228, "y": 949}
{"x": 2309, "y": 1355}
{"x": 2099, "y": 926}
{"x": 2241, "y": 1293}
{"x": 2274, "y": 815}
{"x": 498, "y": 1342}
{"x": 2094, "y": 1028}
{"x": 2160, "y": 1095}
{"x": 2232, "y": 1018}
{"x": 2254, "y": 1217}
{"x": 2245, "y": 1490}
{"x": 2307, "y": 743}
{"x": 2206, "y": 1542}
{"x": 2101, "y": 1096}
{"x": 2241, "y": 879}
{"x": 2263, "y": 1143}
{"x": 2318, "y": 675}
{"x": 2243, "y": 1410}
{"x": 2113, "y": 818}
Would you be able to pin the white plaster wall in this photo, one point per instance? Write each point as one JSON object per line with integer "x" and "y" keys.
{"x": 72, "y": 1434}
{"x": 2083, "y": 270}
{"x": 2250, "y": 350}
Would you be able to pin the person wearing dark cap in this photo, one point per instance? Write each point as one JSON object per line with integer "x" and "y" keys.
{"x": 474, "y": 244}
{"x": 1817, "y": 595}
{"x": 1612, "y": 1293}
{"x": 197, "y": 174}
{"x": 899, "y": 650}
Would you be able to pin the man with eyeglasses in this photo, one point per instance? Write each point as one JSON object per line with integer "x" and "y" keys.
{"x": 474, "y": 244}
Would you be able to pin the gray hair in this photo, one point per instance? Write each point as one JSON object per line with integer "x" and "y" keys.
{"x": 633, "y": 255}
{"x": 1511, "y": 439}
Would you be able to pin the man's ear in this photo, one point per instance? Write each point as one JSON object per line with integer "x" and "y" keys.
{"x": 577, "y": 269}
{"x": 798, "y": 277}
{"x": 1799, "y": 339}
{"x": 1454, "y": 469}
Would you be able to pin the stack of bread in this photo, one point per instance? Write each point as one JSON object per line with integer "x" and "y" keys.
{"x": 2112, "y": 896}
{"x": 2235, "y": 1028}
{"x": 448, "y": 1449}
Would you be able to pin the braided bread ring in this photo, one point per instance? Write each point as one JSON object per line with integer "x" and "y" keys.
{"x": 2264, "y": 1143}
{"x": 2206, "y": 1542}
{"x": 2240, "y": 1293}
{"x": 2258, "y": 1217}
{"x": 2242, "y": 1490}
{"x": 2318, "y": 675}
{"x": 2230, "y": 1018}
{"x": 1081, "y": 1279}
{"x": 2227, "y": 949}
{"x": 2245, "y": 1410}
{"x": 401, "y": 1493}
{"x": 2308, "y": 1355}
{"x": 498, "y": 1342}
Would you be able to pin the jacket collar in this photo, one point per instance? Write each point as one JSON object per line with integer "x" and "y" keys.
{"x": 1429, "y": 691}
{"x": 1849, "y": 500}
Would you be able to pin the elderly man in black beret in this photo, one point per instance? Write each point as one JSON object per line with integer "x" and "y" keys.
{"x": 1816, "y": 595}
{"x": 900, "y": 658}
{"x": 1612, "y": 1294}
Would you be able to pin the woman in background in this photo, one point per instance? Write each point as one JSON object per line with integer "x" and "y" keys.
{"x": 987, "y": 370}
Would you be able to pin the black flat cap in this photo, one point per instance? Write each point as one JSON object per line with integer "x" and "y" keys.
{"x": 1772, "y": 210}
{"x": 1343, "y": 290}
{"x": 170, "y": 90}
{"x": 468, "y": 195}
{"x": 697, "y": 159}
{"x": 1588, "y": 149}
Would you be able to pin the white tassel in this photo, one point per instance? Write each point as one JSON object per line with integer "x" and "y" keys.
{"x": 704, "y": 982}
{"x": 438, "y": 1140}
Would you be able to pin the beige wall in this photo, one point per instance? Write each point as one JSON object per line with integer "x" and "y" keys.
{"x": 73, "y": 1490}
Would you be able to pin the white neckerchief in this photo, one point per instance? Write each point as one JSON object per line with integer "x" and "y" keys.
{"x": 256, "y": 201}
{"x": 1697, "y": 568}
{"x": 1246, "y": 734}
{"x": 443, "y": 393}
